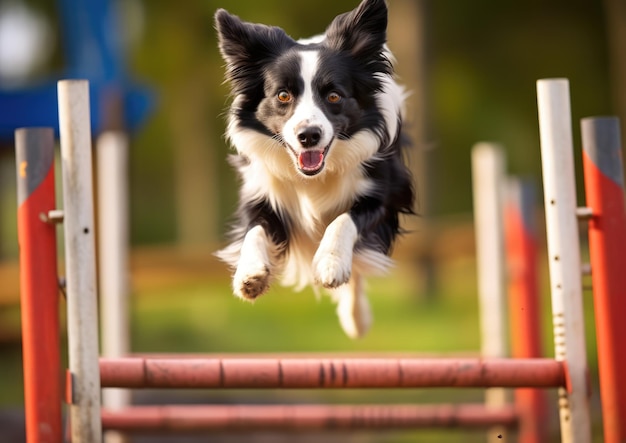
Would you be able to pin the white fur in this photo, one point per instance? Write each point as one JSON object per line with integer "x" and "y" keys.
{"x": 252, "y": 276}
{"x": 312, "y": 40}
{"x": 353, "y": 309}
{"x": 318, "y": 200}
{"x": 391, "y": 102}
{"x": 333, "y": 260}
{"x": 307, "y": 113}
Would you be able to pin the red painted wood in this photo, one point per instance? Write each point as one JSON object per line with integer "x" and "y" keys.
{"x": 525, "y": 315}
{"x": 607, "y": 246}
{"x": 39, "y": 310}
{"x": 241, "y": 418}
{"x": 295, "y": 373}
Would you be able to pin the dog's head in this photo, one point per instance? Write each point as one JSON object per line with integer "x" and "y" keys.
{"x": 314, "y": 104}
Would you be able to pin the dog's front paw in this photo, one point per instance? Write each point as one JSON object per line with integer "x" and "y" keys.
{"x": 331, "y": 270}
{"x": 332, "y": 263}
{"x": 250, "y": 282}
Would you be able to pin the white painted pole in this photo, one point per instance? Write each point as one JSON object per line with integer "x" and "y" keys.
{"x": 488, "y": 177}
{"x": 112, "y": 167}
{"x": 557, "y": 159}
{"x": 80, "y": 260}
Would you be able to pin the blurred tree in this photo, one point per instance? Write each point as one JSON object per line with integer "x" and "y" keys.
{"x": 180, "y": 57}
{"x": 615, "y": 13}
{"x": 487, "y": 56}
{"x": 409, "y": 39}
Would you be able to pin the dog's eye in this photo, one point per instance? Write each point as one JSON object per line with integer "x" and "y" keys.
{"x": 333, "y": 97}
{"x": 284, "y": 97}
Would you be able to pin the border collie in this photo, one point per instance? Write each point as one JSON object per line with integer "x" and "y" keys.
{"x": 316, "y": 125}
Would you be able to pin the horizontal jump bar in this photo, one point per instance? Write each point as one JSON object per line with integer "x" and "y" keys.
{"x": 152, "y": 419}
{"x": 294, "y": 373}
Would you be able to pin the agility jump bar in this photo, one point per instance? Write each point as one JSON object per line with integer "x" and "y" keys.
{"x": 299, "y": 373}
{"x": 299, "y": 418}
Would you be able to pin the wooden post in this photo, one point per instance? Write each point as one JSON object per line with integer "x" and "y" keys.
{"x": 39, "y": 291}
{"x": 488, "y": 165}
{"x": 604, "y": 188}
{"x": 112, "y": 174}
{"x": 557, "y": 157}
{"x": 524, "y": 302}
{"x": 80, "y": 261}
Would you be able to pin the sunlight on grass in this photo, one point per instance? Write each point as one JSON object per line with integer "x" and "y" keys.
{"x": 205, "y": 317}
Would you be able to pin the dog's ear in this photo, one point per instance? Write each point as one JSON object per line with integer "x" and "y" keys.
{"x": 246, "y": 47}
{"x": 362, "y": 32}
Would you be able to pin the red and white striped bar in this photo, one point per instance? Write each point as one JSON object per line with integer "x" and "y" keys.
{"x": 246, "y": 418}
{"x": 298, "y": 373}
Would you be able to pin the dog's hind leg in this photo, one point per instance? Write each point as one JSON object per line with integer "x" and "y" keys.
{"x": 333, "y": 268}
{"x": 353, "y": 307}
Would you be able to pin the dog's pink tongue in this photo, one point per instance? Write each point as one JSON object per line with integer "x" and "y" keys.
{"x": 311, "y": 160}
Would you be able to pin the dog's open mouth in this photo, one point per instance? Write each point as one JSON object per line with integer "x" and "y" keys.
{"x": 311, "y": 161}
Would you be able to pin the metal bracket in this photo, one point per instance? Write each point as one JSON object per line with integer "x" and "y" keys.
{"x": 53, "y": 217}
{"x": 584, "y": 213}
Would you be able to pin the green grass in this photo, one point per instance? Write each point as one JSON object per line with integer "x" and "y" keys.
{"x": 205, "y": 317}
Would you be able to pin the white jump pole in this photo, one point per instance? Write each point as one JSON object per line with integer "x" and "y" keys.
{"x": 488, "y": 178}
{"x": 112, "y": 175}
{"x": 557, "y": 159}
{"x": 80, "y": 260}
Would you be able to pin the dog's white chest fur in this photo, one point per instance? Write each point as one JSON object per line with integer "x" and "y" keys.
{"x": 313, "y": 206}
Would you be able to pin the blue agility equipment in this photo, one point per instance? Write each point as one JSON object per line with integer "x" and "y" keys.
{"x": 92, "y": 43}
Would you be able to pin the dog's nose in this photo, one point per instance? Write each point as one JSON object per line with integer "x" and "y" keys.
{"x": 309, "y": 136}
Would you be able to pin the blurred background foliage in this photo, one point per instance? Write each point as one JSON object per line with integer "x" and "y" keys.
{"x": 482, "y": 59}
{"x": 471, "y": 68}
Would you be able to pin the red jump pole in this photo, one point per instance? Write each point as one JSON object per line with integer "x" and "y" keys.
{"x": 332, "y": 373}
{"x": 249, "y": 418}
{"x": 525, "y": 314}
{"x": 39, "y": 284}
{"x": 604, "y": 186}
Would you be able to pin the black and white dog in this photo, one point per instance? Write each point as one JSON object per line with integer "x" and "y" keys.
{"x": 317, "y": 128}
